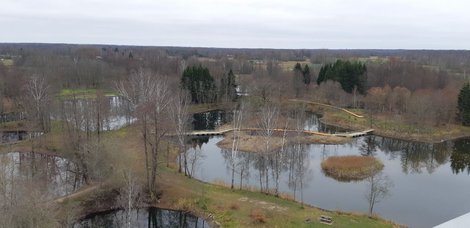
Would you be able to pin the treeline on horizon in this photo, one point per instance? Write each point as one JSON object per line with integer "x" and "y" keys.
{"x": 420, "y": 85}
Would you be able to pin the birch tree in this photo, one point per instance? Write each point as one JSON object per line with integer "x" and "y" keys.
{"x": 129, "y": 195}
{"x": 278, "y": 159}
{"x": 181, "y": 117}
{"x": 236, "y": 124}
{"x": 149, "y": 95}
{"x": 378, "y": 188}
{"x": 267, "y": 121}
{"x": 37, "y": 100}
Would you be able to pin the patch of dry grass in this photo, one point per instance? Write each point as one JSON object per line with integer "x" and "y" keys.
{"x": 351, "y": 168}
{"x": 258, "y": 216}
{"x": 256, "y": 143}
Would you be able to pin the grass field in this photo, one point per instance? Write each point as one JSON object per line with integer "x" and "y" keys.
{"x": 7, "y": 62}
{"x": 373, "y": 59}
{"x": 241, "y": 208}
{"x": 84, "y": 93}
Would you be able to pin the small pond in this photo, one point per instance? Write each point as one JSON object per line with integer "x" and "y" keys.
{"x": 51, "y": 176}
{"x": 431, "y": 182}
{"x": 140, "y": 218}
{"x": 114, "y": 114}
{"x": 15, "y": 136}
{"x": 12, "y": 116}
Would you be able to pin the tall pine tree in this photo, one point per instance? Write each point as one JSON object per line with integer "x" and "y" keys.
{"x": 349, "y": 74}
{"x": 464, "y": 105}
{"x": 200, "y": 84}
{"x": 307, "y": 75}
{"x": 228, "y": 87}
{"x": 298, "y": 79}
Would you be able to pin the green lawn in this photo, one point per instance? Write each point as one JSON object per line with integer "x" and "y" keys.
{"x": 236, "y": 208}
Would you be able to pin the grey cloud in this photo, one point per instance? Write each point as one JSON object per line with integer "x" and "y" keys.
{"x": 430, "y": 24}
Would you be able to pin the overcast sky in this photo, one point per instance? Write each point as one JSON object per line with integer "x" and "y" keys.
{"x": 407, "y": 24}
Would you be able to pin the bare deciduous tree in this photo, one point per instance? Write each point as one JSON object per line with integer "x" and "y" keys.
{"x": 267, "y": 121}
{"x": 129, "y": 195}
{"x": 378, "y": 188}
{"x": 149, "y": 95}
{"x": 237, "y": 124}
{"x": 180, "y": 116}
{"x": 37, "y": 100}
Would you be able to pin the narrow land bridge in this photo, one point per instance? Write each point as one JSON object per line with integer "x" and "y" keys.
{"x": 223, "y": 131}
{"x": 344, "y": 134}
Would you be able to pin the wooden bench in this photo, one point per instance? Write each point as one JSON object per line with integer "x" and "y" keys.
{"x": 326, "y": 220}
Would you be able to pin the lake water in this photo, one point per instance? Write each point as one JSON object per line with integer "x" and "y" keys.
{"x": 114, "y": 113}
{"x": 140, "y": 218}
{"x": 48, "y": 175}
{"x": 431, "y": 182}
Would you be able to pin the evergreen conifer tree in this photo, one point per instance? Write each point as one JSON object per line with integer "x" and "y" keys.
{"x": 464, "y": 105}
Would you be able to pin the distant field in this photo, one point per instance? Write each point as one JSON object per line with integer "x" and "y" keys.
{"x": 289, "y": 65}
{"x": 7, "y": 62}
{"x": 83, "y": 93}
{"x": 373, "y": 59}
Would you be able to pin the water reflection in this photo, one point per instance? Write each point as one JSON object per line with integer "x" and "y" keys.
{"x": 211, "y": 120}
{"x": 109, "y": 113}
{"x": 424, "y": 176}
{"x": 52, "y": 176}
{"x": 313, "y": 123}
{"x": 427, "y": 177}
{"x": 415, "y": 157}
{"x": 12, "y": 116}
{"x": 13, "y": 136}
{"x": 460, "y": 158}
{"x": 148, "y": 217}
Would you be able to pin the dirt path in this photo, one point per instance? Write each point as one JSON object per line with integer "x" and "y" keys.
{"x": 329, "y": 106}
{"x": 82, "y": 191}
{"x": 263, "y": 204}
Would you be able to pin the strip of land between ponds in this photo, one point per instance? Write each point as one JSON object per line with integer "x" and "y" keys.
{"x": 359, "y": 122}
{"x": 254, "y": 143}
{"x": 395, "y": 134}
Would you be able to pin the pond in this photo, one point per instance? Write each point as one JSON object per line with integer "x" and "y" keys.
{"x": 12, "y": 116}
{"x": 15, "y": 136}
{"x": 50, "y": 176}
{"x": 139, "y": 218}
{"x": 431, "y": 182}
{"x": 113, "y": 114}
{"x": 210, "y": 120}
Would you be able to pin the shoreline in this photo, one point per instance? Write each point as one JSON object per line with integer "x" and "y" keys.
{"x": 395, "y": 135}
{"x": 333, "y": 116}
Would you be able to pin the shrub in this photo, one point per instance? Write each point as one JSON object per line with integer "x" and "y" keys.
{"x": 258, "y": 216}
{"x": 234, "y": 206}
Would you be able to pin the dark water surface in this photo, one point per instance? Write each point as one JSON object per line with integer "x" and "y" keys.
{"x": 210, "y": 120}
{"x": 13, "y": 136}
{"x": 140, "y": 218}
{"x": 431, "y": 182}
